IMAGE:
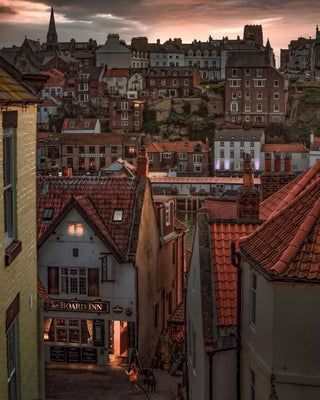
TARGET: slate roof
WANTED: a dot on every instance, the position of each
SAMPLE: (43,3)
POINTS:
(248,59)
(285,195)
(225,274)
(94,72)
(98,197)
(238,134)
(12,89)
(287,245)
(183,146)
(79,123)
(284,148)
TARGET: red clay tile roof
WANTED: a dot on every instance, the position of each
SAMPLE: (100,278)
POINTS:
(287,245)
(99,197)
(79,123)
(183,146)
(284,148)
(117,73)
(224,180)
(221,209)
(281,198)
(225,274)
(42,293)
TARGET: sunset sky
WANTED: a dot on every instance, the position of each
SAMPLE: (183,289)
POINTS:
(282,20)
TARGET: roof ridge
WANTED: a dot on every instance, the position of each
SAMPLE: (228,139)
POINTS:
(292,249)
(280,211)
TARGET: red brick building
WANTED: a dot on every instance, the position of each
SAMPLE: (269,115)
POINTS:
(89,86)
(173,82)
(125,115)
(87,153)
(185,157)
(255,92)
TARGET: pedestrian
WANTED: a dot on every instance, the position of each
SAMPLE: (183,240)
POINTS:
(133,378)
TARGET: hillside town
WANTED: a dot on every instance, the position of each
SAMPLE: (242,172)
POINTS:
(160,218)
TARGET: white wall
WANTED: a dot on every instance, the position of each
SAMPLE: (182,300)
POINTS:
(120,292)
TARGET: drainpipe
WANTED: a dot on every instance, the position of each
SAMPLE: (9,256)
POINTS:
(235,258)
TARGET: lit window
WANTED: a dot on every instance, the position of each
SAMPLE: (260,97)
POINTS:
(117,215)
(75,229)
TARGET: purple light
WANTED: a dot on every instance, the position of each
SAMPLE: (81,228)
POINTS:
(257,165)
(218,164)
(227,164)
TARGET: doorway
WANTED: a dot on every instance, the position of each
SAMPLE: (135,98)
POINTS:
(118,334)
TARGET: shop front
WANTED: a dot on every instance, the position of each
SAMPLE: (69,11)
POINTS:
(85,332)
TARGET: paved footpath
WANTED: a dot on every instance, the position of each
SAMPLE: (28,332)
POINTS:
(102,383)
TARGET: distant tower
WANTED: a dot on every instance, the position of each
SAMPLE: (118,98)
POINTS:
(253,32)
(270,53)
(52,37)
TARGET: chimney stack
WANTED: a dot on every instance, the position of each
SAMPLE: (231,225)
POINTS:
(287,163)
(267,162)
(248,196)
(142,160)
(277,161)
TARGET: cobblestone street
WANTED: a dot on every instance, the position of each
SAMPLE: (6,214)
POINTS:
(103,383)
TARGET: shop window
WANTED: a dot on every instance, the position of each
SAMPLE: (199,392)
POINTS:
(61,330)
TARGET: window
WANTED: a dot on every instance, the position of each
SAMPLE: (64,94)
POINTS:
(136,113)
(252,144)
(231,165)
(182,156)
(156,315)
(248,95)
(231,153)
(231,143)
(259,83)
(241,153)
(61,330)
(276,83)
(69,149)
(92,149)
(252,379)
(259,107)
(81,149)
(163,82)
(152,82)
(9,175)
(12,361)
(239,94)
(276,95)
(102,149)
(74,280)
(234,72)
(47,214)
(75,229)
(234,106)
(124,105)
(253,298)
(174,82)
(252,153)
(234,95)
(221,153)
(197,158)
(259,96)
(259,72)
(167,155)
(276,108)
(106,270)
(234,83)
(247,72)
(186,82)
(114,149)
(247,108)
(247,118)
(221,143)
(168,215)
(117,215)
(247,83)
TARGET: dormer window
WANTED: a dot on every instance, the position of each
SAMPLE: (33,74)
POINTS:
(75,229)
(117,215)
(206,53)
(86,124)
(47,214)
(190,53)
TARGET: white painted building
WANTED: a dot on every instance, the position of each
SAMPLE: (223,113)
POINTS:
(114,54)
(167,54)
(281,297)
(314,154)
(81,125)
(230,146)
(298,153)
(48,108)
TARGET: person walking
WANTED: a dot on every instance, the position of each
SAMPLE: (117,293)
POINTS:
(133,378)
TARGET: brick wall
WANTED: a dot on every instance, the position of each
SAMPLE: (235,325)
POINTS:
(21,275)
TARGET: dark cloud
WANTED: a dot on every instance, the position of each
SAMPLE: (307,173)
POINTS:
(282,19)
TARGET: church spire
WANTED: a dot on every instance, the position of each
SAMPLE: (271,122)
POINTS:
(52,37)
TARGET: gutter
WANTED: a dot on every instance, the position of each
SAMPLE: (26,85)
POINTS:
(235,259)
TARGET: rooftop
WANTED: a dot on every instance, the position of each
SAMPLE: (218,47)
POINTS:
(284,148)
(184,146)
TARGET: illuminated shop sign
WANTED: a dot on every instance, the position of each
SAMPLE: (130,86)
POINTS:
(80,306)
